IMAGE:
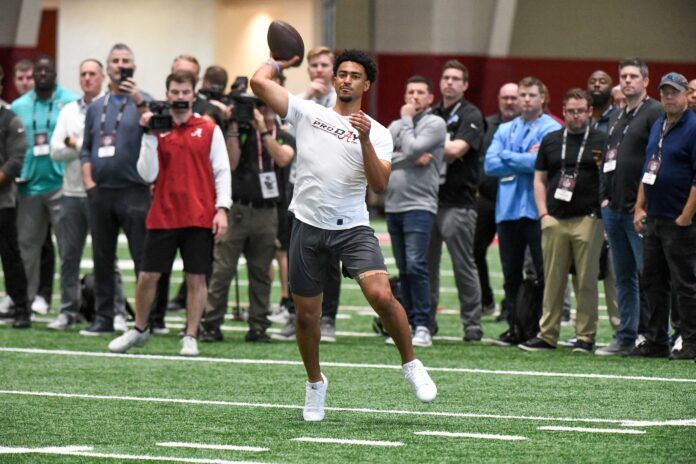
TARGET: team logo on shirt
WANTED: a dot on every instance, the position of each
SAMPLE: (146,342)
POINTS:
(197,133)
(340,134)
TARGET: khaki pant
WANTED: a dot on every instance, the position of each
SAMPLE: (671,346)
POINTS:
(251,231)
(566,241)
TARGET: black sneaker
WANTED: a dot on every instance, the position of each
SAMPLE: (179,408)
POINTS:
(687,352)
(650,350)
(210,335)
(582,347)
(255,336)
(99,327)
(536,344)
(22,319)
(473,335)
(505,339)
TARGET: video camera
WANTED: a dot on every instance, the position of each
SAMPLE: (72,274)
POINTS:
(161,120)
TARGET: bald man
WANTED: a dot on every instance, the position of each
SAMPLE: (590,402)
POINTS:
(508,109)
(599,86)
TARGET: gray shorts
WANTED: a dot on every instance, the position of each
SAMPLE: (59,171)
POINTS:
(311,249)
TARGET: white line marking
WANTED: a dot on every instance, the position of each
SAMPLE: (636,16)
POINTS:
(292,406)
(486,436)
(47,449)
(177,444)
(343,441)
(590,430)
(682,422)
(85,451)
(341,364)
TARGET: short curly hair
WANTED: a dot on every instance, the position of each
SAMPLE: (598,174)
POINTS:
(360,57)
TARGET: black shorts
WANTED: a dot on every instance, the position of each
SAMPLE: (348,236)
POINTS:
(195,244)
(311,249)
(285,219)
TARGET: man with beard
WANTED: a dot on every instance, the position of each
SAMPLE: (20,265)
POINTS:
(340,152)
(622,168)
(38,202)
(599,86)
(566,192)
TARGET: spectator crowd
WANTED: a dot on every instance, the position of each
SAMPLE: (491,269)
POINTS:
(605,192)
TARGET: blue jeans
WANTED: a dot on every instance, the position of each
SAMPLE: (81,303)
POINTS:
(410,236)
(627,253)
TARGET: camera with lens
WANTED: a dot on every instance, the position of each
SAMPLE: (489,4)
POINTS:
(161,120)
(244,105)
(216,92)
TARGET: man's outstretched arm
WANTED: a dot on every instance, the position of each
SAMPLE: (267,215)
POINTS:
(267,89)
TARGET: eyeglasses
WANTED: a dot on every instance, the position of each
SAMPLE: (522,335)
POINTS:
(573,112)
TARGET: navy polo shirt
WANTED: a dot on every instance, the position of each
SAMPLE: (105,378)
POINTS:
(677,173)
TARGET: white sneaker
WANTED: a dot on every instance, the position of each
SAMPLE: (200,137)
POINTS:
(389,341)
(640,340)
(419,380)
(422,337)
(40,305)
(128,340)
(315,394)
(6,304)
(281,317)
(62,322)
(120,323)
(189,346)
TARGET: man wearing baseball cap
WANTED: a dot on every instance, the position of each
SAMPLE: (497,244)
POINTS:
(667,199)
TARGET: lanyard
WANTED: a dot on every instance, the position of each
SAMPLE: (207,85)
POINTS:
(628,123)
(48,116)
(259,148)
(582,149)
(118,116)
(595,124)
(663,132)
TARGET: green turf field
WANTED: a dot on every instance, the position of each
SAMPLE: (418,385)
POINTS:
(65,400)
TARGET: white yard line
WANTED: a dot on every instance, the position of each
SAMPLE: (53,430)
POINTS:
(345,441)
(339,364)
(177,444)
(84,451)
(681,422)
(556,428)
(370,411)
(486,436)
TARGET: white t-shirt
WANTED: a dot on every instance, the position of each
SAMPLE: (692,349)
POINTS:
(331,184)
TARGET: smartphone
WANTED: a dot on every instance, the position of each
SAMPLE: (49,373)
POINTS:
(126,73)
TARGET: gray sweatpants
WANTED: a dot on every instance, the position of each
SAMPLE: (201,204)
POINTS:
(456,227)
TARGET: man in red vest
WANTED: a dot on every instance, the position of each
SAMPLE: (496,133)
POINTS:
(190,168)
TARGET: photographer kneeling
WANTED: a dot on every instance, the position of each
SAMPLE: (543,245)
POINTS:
(186,158)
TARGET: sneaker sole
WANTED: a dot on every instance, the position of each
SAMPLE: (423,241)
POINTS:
(497,343)
(87,333)
(422,345)
(328,339)
(282,338)
(532,349)
(581,350)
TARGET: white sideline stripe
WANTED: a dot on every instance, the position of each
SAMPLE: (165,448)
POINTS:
(339,364)
(486,436)
(344,441)
(298,407)
(682,422)
(177,444)
(556,428)
(47,449)
(85,452)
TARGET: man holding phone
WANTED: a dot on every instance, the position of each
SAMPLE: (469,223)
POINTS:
(118,197)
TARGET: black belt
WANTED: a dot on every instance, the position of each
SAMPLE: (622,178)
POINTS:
(260,204)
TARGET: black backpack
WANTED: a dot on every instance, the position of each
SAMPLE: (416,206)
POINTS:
(527,311)
(87,302)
